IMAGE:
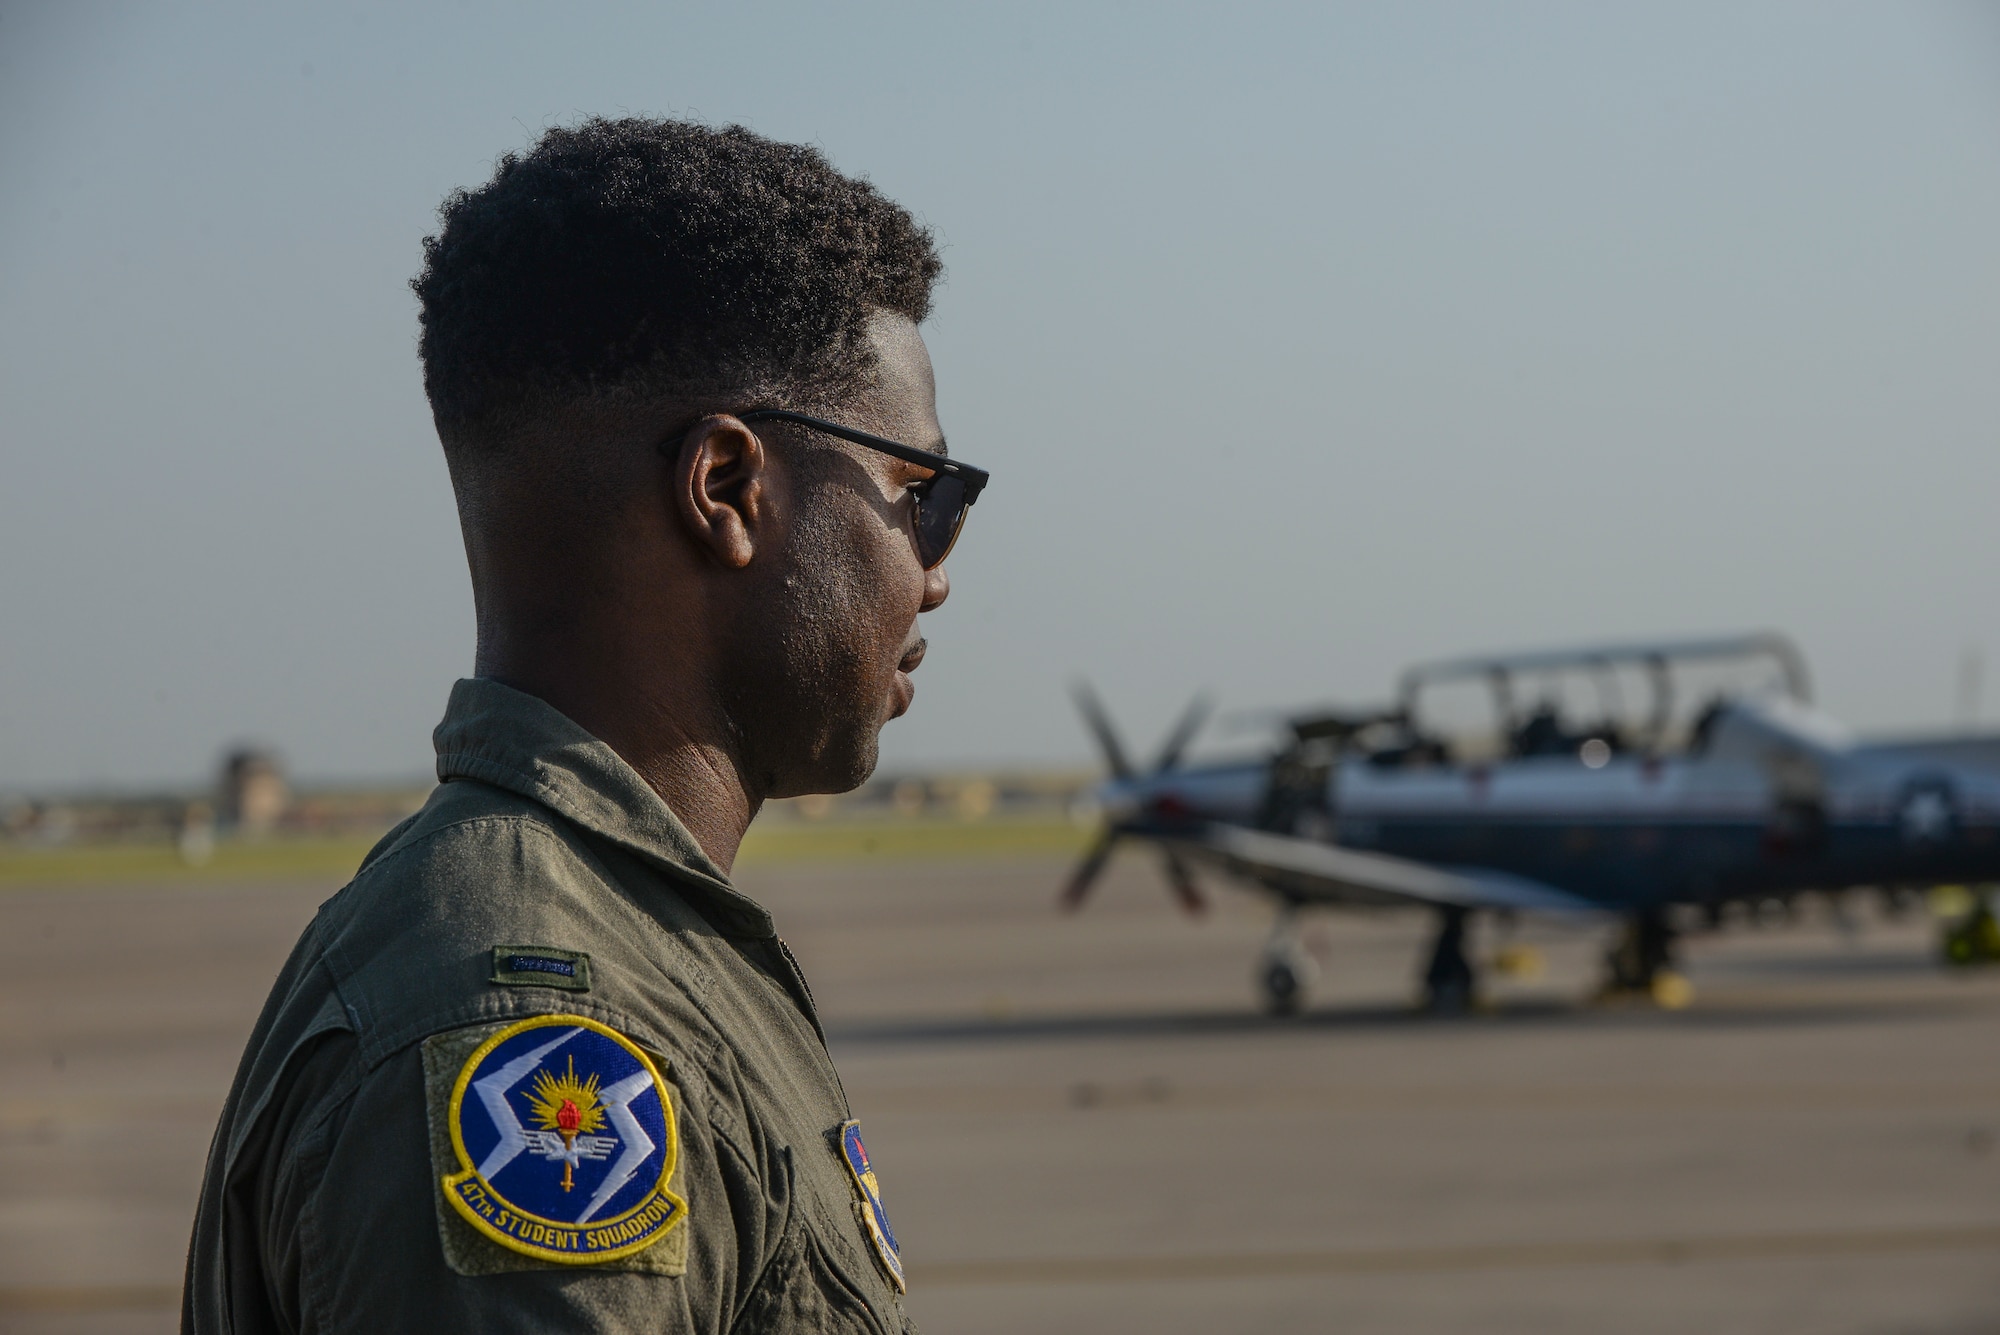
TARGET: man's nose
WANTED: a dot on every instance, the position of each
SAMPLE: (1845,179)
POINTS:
(937,588)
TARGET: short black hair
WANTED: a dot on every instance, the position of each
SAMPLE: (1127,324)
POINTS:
(661,255)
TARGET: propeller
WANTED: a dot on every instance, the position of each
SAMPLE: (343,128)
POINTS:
(1099,723)
(1177,741)
(1180,879)
(1086,872)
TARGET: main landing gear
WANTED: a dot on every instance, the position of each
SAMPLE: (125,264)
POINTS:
(1287,969)
(1641,964)
(1450,986)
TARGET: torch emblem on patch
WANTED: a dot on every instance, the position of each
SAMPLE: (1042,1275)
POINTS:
(565,1109)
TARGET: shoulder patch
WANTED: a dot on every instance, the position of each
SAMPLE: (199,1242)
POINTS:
(874,1219)
(541,966)
(563,1134)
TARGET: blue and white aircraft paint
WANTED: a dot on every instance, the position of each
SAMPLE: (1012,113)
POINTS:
(1742,795)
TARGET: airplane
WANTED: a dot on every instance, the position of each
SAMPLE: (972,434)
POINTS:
(1696,775)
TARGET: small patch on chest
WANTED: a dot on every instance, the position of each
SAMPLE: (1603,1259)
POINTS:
(874,1218)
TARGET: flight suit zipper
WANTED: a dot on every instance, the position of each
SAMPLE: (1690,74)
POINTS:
(802,996)
(800,989)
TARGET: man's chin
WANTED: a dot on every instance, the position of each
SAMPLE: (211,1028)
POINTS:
(839,768)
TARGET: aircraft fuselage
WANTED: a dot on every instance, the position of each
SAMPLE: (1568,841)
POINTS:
(1632,832)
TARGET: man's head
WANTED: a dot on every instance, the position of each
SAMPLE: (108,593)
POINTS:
(595,318)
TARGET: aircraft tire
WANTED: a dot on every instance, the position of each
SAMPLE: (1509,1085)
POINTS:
(1284,990)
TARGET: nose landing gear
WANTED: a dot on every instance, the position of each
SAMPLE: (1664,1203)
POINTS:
(1287,969)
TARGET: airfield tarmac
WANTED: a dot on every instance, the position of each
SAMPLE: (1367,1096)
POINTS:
(1084,1125)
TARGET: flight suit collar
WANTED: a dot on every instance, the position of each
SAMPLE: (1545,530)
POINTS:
(513,740)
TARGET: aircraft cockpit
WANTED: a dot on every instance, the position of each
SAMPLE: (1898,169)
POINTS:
(1546,731)
(1588,705)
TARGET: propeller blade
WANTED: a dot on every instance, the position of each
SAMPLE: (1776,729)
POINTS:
(1100,727)
(1177,741)
(1086,873)
(1182,880)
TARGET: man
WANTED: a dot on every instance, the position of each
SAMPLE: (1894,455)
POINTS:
(539,1067)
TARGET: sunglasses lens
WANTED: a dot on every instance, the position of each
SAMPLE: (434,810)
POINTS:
(940,514)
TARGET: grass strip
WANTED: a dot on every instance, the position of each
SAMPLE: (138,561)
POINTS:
(334,860)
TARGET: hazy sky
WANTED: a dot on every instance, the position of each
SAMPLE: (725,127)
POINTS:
(1302,341)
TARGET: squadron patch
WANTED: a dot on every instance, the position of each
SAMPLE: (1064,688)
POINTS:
(874,1219)
(565,1140)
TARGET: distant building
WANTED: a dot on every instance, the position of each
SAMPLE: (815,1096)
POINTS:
(254,794)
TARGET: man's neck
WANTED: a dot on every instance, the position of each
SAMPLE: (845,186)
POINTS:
(677,741)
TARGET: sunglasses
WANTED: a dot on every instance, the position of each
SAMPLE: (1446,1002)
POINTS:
(942,498)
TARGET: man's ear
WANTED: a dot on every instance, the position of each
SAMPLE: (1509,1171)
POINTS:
(722,489)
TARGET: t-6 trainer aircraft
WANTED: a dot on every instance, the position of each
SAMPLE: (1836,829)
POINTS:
(1623,780)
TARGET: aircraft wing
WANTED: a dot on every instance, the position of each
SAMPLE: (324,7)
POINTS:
(1327,873)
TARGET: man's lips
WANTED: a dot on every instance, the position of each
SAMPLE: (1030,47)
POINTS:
(904,689)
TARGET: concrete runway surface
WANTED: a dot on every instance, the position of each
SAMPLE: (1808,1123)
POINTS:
(1083,1125)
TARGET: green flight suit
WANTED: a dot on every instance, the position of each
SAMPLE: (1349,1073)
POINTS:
(322,1208)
